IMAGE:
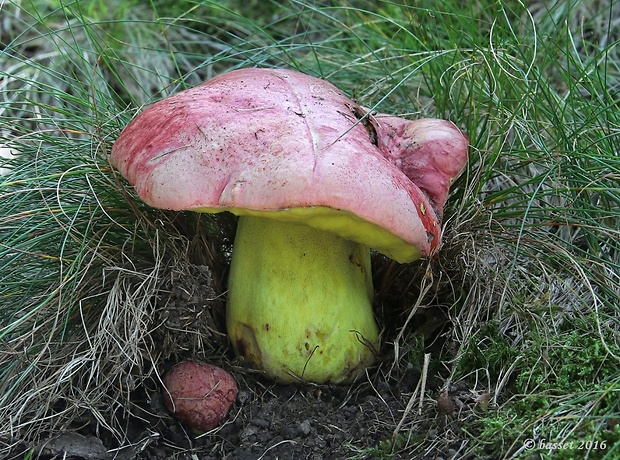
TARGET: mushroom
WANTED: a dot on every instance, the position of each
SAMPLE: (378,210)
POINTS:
(199,394)
(316,181)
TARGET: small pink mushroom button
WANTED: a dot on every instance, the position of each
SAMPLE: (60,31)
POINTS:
(199,395)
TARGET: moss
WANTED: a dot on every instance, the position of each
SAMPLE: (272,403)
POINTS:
(565,391)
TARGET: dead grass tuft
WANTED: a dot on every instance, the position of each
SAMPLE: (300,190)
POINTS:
(134,319)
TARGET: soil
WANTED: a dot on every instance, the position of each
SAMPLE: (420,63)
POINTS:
(270,421)
(273,422)
(296,422)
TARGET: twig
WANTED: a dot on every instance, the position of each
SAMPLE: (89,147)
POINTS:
(420,386)
(427,359)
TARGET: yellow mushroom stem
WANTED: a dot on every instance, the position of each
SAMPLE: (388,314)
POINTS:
(300,302)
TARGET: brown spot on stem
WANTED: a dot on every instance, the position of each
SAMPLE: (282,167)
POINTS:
(245,343)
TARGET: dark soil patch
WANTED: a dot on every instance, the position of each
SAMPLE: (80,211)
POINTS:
(293,422)
(268,422)
(271,421)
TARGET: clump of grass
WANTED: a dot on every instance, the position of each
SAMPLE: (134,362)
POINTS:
(540,233)
(531,246)
(530,250)
(84,264)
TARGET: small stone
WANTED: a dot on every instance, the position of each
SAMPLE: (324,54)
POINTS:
(261,423)
(444,403)
(243,397)
(247,432)
(305,427)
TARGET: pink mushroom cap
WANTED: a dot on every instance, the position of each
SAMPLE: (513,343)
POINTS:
(199,394)
(285,145)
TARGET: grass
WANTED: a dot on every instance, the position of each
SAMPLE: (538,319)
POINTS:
(529,274)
